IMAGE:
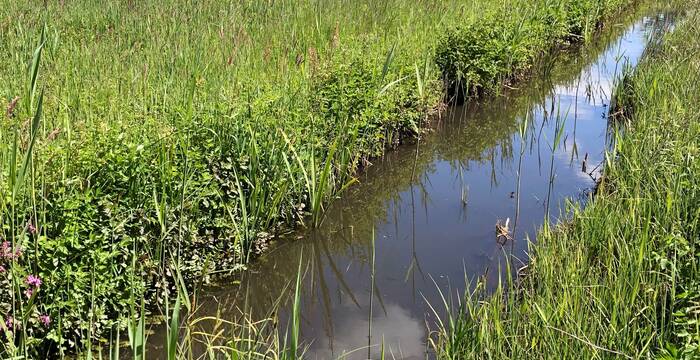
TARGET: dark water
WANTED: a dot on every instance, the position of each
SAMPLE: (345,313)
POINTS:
(432,208)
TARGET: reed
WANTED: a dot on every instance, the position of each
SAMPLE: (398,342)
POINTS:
(620,278)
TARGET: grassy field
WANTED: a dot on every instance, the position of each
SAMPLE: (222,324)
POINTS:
(621,279)
(146,142)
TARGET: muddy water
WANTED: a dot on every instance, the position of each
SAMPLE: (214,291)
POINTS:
(432,208)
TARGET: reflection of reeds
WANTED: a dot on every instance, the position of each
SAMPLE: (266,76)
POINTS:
(522,133)
(553,147)
(371,299)
(190,336)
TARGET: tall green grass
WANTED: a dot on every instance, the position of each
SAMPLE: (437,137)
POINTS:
(154,144)
(620,278)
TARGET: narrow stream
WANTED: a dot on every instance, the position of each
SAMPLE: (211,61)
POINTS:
(433,208)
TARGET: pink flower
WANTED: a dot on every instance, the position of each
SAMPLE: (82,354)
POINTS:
(6,251)
(9,323)
(2,269)
(45,319)
(33,281)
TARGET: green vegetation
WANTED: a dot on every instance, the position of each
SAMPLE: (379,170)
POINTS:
(146,145)
(482,54)
(621,278)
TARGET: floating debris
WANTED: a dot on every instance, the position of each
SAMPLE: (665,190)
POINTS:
(503,231)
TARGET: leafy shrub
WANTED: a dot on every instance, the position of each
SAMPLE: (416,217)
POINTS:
(485,52)
(379,108)
(475,55)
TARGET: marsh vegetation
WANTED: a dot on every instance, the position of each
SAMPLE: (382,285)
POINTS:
(150,148)
(620,279)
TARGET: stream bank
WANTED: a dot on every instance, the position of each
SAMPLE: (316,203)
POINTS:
(428,213)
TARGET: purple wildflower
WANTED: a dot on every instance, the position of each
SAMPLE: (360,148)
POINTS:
(45,320)
(2,269)
(9,323)
(6,251)
(33,281)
